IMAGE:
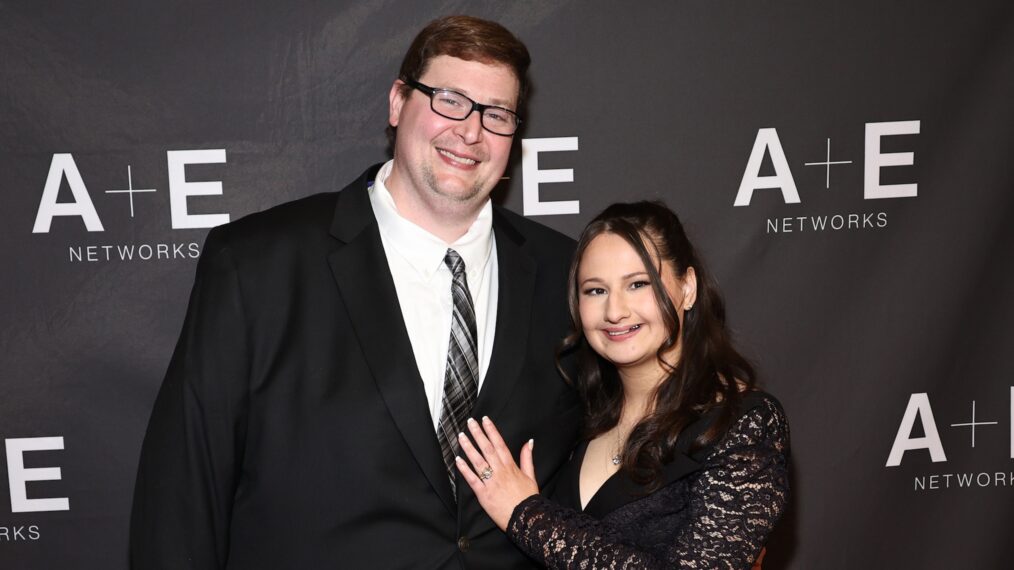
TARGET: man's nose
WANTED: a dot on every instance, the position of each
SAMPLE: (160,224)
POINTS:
(470,129)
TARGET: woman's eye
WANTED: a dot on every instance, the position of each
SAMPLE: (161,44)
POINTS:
(639,284)
(594,291)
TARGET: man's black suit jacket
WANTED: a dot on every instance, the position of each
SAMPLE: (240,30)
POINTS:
(292,430)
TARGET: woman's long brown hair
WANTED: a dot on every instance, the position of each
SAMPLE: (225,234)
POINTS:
(709,374)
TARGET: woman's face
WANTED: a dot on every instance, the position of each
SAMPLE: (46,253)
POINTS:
(620,317)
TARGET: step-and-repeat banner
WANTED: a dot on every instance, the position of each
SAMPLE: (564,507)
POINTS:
(847,168)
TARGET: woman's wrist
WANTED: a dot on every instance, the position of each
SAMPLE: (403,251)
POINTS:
(516,522)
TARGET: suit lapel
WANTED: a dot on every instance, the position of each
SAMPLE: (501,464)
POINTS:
(516,284)
(515,289)
(360,269)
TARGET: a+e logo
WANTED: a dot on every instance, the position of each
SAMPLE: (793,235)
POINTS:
(767,142)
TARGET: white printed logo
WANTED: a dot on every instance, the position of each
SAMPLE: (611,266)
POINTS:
(63,167)
(768,143)
(919,416)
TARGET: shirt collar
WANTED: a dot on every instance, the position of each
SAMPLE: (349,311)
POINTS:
(422,250)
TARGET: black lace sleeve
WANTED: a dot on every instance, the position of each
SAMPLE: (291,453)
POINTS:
(564,538)
(734,502)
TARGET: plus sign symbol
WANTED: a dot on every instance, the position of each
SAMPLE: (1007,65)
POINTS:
(130,190)
(827,165)
(974,424)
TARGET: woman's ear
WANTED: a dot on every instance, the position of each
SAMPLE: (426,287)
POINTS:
(689,288)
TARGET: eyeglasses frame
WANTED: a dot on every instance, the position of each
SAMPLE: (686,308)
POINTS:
(431,91)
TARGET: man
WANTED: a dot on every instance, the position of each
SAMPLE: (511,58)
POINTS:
(335,345)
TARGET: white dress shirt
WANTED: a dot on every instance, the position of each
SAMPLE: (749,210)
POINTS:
(423,283)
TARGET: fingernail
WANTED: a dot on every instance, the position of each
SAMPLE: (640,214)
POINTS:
(471,421)
(458,459)
(531,443)
(485,419)
(461,435)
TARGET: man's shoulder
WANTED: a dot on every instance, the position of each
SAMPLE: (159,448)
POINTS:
(535,235)
(293,221)
(301,223)
(309,211)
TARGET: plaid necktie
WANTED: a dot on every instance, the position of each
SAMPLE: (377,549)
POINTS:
(461,377)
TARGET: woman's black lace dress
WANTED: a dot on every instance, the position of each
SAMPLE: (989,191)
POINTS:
(717,506)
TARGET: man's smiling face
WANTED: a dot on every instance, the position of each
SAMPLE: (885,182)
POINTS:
(440,163)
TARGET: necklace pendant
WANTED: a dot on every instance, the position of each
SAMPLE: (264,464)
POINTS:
(616,459)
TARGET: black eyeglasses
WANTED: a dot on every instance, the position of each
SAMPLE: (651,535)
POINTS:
(457,107)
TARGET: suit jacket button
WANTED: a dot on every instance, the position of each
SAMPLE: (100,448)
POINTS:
(463,544)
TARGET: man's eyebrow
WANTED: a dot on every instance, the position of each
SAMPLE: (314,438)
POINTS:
(496,101)
(502,103)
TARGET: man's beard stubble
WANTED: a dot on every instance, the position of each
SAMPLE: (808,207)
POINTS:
(431,182)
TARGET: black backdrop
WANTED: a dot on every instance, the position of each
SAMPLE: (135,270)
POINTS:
(862,310)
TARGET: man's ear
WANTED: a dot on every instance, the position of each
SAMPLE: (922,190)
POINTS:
(395,101)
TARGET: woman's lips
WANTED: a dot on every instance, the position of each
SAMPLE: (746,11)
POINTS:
(621,333)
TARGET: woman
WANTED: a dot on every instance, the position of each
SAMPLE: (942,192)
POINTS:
(684,464)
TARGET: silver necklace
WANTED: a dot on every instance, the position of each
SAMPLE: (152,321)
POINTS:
(619,445)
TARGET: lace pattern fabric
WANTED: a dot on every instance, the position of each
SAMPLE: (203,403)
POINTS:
(716,517)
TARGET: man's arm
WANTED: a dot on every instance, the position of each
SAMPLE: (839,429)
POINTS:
(192,451)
